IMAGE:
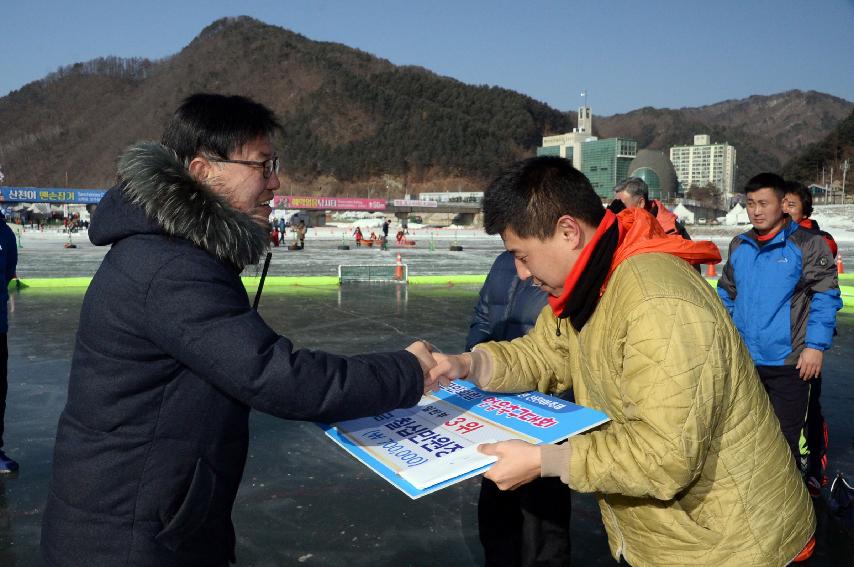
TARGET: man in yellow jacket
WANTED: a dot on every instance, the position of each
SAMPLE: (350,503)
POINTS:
(692,468)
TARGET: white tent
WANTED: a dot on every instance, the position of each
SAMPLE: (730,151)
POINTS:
(736,215)
(684,215)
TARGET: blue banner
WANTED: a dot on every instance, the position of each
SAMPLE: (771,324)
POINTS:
(51,195)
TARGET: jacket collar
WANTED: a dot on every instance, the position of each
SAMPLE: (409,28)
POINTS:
(155,180)
(784,233)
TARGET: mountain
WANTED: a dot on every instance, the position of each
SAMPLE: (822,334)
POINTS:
(832,151)
(767,131)
(353,123)
(348,116)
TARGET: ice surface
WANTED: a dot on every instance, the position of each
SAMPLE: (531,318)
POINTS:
(301,496)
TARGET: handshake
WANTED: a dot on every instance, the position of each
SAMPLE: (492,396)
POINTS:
(519,462)
(439,369)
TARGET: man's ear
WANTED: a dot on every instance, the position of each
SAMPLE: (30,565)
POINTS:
(569,230)
(200,169)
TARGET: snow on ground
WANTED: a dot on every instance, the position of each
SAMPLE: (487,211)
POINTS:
(838,220)
(42,254)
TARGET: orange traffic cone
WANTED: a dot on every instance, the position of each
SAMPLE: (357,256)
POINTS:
(398,269)
(840,267)
(711,271)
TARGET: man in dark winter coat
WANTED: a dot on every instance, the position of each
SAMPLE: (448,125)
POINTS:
(170,357)
(507,307)
(529,525)
(8,265)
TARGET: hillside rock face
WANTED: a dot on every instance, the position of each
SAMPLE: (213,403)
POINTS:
(767,131)
(817,162)
(352,122)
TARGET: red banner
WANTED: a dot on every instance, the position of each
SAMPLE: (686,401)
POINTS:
(328,203)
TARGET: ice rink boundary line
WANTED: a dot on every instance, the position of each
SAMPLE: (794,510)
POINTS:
(251,282)
(308,282)
(845,280)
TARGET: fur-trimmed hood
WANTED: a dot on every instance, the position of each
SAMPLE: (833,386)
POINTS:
(158,195)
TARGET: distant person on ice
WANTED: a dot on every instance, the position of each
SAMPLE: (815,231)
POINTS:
(301,230)
(170,357)
(692,468)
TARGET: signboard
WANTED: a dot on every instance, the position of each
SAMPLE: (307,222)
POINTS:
(434,444)
(414,203)
(453,197)
(328,203)
(51,195)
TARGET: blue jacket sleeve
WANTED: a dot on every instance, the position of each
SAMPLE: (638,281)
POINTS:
(726,284)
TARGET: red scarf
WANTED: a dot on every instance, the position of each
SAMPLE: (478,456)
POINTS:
(639,233)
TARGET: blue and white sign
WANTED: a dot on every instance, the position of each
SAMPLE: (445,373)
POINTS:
(48,195)
(434,444)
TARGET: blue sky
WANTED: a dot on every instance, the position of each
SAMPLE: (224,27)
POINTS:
(626,55)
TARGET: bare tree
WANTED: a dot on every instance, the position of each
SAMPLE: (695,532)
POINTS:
(708,195)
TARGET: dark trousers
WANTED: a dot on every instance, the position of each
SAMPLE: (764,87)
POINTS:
(816,431)
(4,381)
(789,395)
(526,527)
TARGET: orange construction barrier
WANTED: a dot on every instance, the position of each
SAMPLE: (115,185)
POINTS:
(711,271)
(398,269)
(840,267)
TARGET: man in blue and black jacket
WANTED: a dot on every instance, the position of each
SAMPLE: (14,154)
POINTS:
(781,289)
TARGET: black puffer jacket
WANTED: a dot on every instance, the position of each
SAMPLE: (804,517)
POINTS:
(168,361)
(508,307)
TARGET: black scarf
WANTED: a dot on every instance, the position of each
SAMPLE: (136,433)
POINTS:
(585,296)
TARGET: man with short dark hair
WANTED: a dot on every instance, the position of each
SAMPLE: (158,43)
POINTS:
(691,469)
(170,356)
(781,289)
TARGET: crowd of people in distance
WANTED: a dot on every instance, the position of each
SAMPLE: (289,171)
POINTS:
(278,229)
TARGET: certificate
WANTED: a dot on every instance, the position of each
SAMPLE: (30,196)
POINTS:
(434,444)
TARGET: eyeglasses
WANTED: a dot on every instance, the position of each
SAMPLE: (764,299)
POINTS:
(268,166)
